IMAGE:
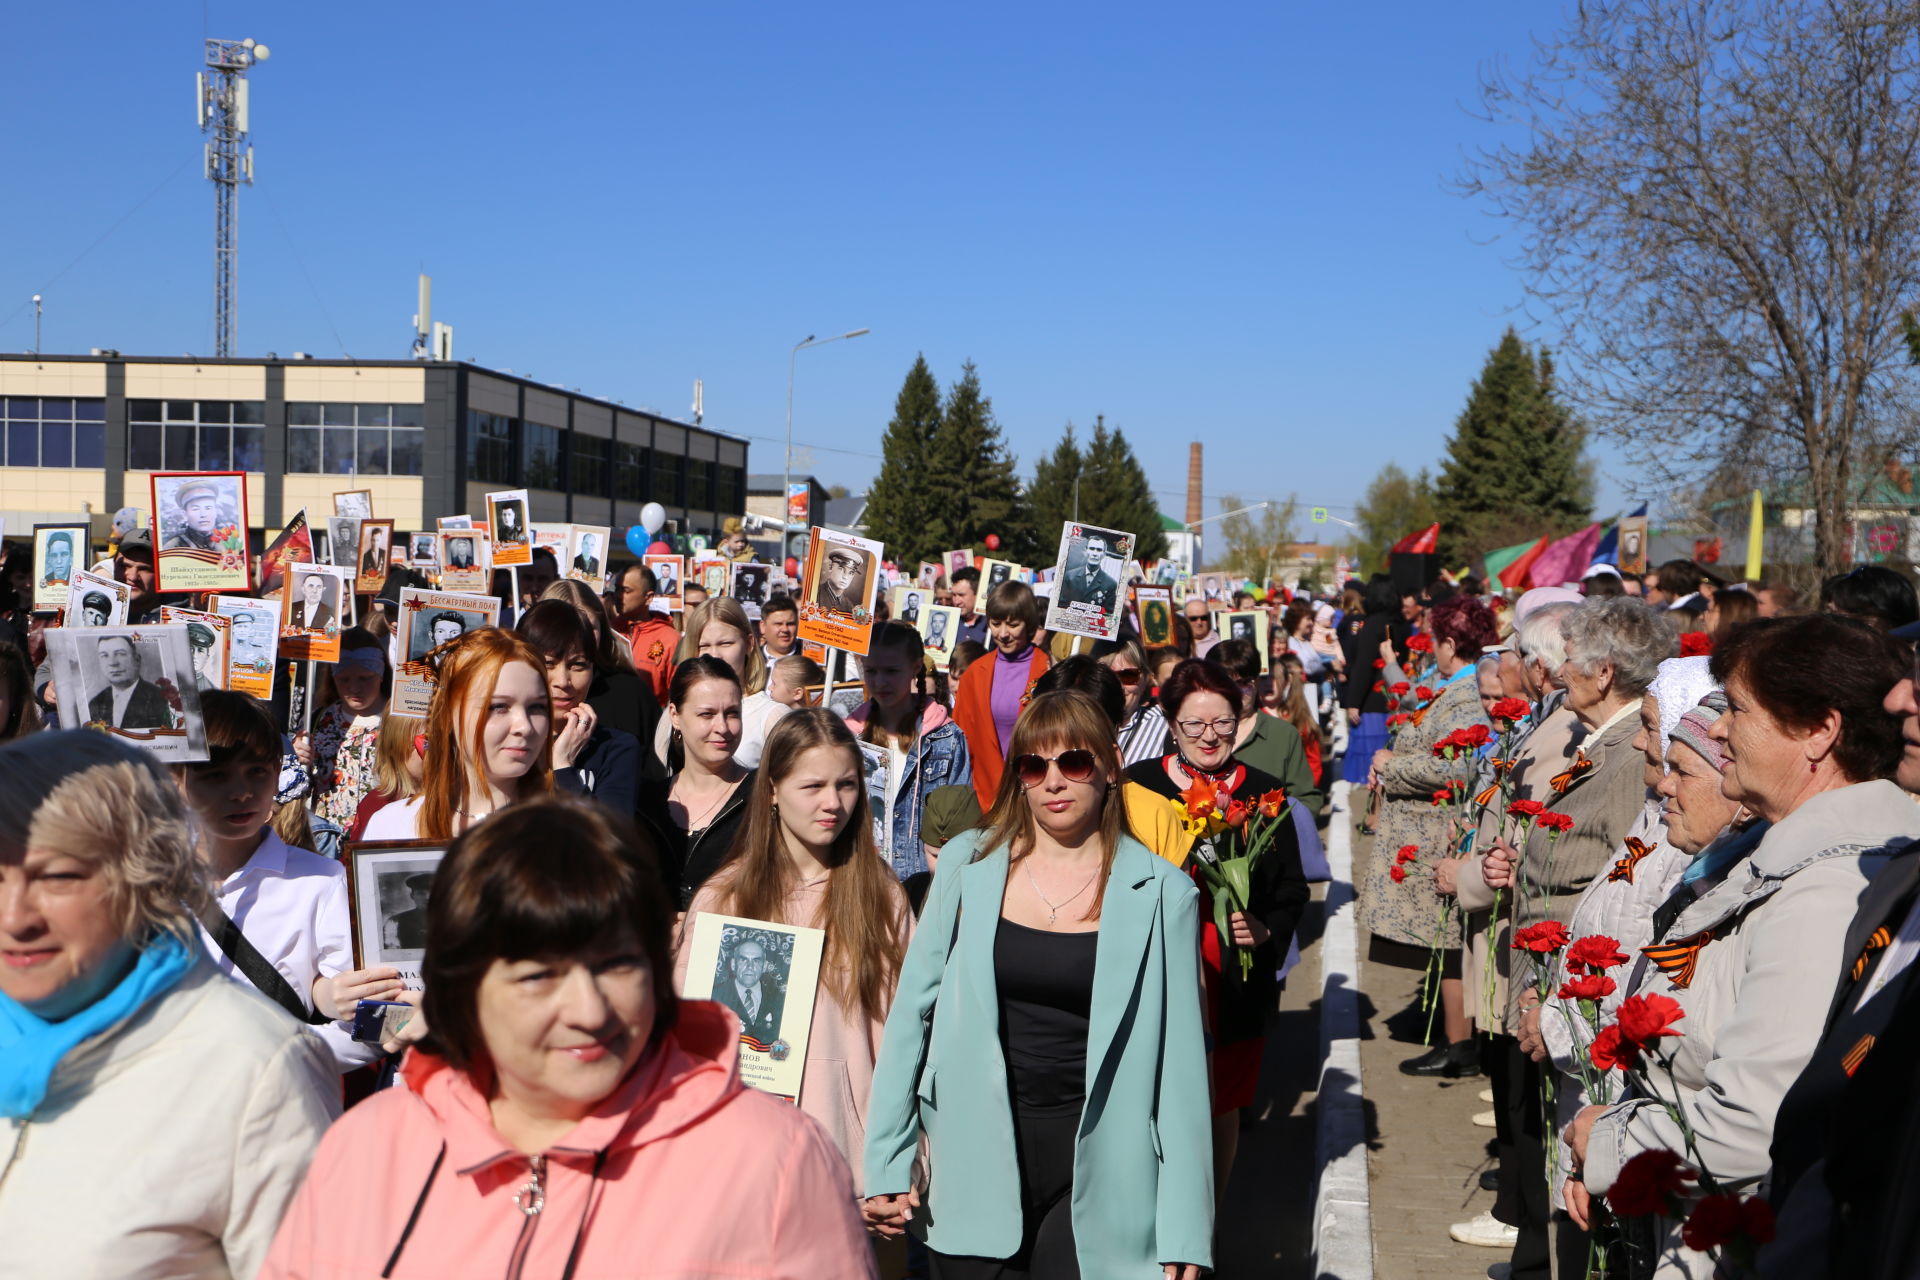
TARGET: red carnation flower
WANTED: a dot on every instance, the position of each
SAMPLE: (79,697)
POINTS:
(1397,873)
(1695,644)
(1719,1220)
(1544,938)
(1420,644)
(1554,822)
(1644,1019)
(1400,688)
(1610,1049)
(1442,796)
(1646,1183)
(1511,709)
(1408,853)
(1595,953)
(1394,722)
(1525,810)
(1476,735)
(1423,693)
(1596,986)
(1379,664)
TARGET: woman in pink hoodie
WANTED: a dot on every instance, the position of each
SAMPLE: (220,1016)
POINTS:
(567,1116)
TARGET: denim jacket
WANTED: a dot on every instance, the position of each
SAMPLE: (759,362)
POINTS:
(937,758)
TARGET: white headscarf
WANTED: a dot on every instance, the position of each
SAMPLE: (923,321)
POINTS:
(1678,686)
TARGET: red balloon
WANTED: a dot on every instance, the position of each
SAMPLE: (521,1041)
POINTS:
(993,542)
(793,567)
(659,549)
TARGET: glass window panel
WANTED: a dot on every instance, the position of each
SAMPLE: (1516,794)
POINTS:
(56,444)
(21,406)
(666,478)
(252,412)
(143,411)
(176,449)
(23,444)
(408,448)
(216,411)
(375,415)
(373,452)
(303,413)
(89,410)
(216,448)
(90,444)
(336,415)
(143,447)
(249,448)
(408,415)
(336,451)
(303,450)
(58,410)
(178,410)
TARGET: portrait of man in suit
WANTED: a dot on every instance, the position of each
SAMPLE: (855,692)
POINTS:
(375,559)
(509,525)
(587,561)
(311,612)
(128,701)
(744,987)
(910,609)
(459,553)
(58,562)
(407,930)
(843,580)
(1086,580)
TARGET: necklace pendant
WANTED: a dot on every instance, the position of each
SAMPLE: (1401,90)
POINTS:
(1051,916)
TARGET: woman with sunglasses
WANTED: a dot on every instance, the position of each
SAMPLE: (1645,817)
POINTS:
(1204,704)
(925,749)
(1143,729)
(1046,1037)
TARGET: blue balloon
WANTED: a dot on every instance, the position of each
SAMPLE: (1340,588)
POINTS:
(638,541)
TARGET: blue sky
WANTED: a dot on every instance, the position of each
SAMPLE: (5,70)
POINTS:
(1226,222)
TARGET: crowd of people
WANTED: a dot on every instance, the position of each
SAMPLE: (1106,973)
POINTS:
(1039,1020)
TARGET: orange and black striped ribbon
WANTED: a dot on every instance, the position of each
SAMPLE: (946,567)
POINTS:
(1876,942)
(1857,1054)
(1679,958)
(1580,767)
(1623,869)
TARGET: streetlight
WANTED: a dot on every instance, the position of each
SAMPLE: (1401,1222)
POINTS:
(786,475)
(1076,488)
(1191,525)
(36,324)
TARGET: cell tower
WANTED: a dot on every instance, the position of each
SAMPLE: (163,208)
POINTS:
(223,113)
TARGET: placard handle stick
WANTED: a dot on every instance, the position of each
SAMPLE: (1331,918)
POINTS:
(833,660)
(306,702)
(513,606)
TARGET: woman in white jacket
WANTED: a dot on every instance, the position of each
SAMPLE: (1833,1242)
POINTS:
(155,1116)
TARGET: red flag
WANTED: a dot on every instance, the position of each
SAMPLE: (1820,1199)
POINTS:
(1422,542)
(1516,574)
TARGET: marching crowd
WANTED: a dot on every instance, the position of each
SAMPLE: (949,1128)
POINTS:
(1059,883)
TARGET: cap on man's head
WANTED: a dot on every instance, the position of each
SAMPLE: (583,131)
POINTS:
(138,546)
(97,600)
(194,490)
(200,635)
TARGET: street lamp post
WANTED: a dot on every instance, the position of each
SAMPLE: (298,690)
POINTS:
(1191,525)
(1076,488)
(786,475)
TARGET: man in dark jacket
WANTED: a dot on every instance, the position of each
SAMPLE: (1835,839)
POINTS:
(128,702)
(757,1002)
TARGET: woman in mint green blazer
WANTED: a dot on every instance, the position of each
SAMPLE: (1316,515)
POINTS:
(1052,991)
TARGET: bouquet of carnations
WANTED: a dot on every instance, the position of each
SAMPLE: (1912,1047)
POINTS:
(1231,836)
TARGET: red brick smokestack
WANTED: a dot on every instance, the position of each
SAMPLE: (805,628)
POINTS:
(1195,510)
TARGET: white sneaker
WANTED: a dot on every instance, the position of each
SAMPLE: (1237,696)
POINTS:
(1485,1119)
(1485,1230)
(1486,1095)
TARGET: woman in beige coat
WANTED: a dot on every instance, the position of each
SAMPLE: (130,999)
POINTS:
(1754,949)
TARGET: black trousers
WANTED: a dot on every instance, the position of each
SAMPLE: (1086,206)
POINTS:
(1497,1063)
(1523,1200)
(1044,1146)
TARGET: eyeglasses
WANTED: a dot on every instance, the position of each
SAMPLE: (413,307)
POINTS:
(1077,765)
(1197,728)
(1126,675)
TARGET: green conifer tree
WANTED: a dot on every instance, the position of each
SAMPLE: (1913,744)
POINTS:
(1115,494)
(975,490)
(1050,496)
(897,503)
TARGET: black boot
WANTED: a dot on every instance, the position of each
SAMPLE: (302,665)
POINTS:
(1449,1061)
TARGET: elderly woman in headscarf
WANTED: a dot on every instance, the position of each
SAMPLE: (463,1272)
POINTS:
(1751,947)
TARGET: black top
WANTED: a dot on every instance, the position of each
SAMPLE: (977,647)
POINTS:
(1361,645)
(623,701)
(1045,982)
(687,858)
(607,768)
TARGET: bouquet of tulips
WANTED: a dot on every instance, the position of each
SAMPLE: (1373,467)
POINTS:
(1231,836)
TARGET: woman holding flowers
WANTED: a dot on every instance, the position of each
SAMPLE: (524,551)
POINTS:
(1423,780)
(1748,955)
(1203,704)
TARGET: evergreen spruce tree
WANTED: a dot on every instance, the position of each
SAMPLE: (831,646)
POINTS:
(1114,493)
(1050,496)
(897,503)
(1514,466)
(975,490)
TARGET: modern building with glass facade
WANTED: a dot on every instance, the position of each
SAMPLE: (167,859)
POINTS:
(83,433)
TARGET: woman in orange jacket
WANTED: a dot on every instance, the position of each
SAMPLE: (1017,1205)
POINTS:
(994,689)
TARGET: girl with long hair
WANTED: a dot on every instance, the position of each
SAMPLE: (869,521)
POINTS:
(488,740)
(590,757)
(807,858)
(398,765)
(620,697)
(696,813)
(339,753)
(925,749)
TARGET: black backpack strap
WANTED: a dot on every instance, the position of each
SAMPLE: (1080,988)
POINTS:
(257,968)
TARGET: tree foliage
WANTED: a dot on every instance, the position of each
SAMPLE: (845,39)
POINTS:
(1716,208)
(973,488)
(1514,467)
(1395,505)
(896,504)
(1050,496)
(1113,490)
(1254,544)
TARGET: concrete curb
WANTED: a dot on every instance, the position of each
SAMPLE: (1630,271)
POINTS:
(1342,1212)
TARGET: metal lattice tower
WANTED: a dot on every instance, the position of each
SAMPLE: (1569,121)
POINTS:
(223,113)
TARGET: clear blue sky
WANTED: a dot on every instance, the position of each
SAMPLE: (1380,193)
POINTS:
(1226,222)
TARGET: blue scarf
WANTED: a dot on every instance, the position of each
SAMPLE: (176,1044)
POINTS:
(1719,857)
(31,1047)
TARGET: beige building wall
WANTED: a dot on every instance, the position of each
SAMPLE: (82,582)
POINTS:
(60,378)
(366,386)
(43,495)
(396,498)
(196,382)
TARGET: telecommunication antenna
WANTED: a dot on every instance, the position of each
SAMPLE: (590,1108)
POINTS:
(222,104)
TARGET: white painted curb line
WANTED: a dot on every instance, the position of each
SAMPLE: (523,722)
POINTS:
(1342,1215)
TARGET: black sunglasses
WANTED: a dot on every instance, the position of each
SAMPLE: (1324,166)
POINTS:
(1077,765)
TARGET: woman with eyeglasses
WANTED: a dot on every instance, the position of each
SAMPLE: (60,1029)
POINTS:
(1265,742)
(1204,704)
(1143,730)
(1046,1039)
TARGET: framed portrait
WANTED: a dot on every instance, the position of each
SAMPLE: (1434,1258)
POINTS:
(420,549)
(837,589)
(768,974)
(992,574)
(253,643)
(94,601)
(1087,575)
(1153,615)
(667,574)
(715,576)
(555,538)
(208,641)
(909,602)
(957,560)
(317,607)
(585,554)
(1249,625)
(135,683)
(429,619)
(845,698)
(388,886)
(1633,545)
(59,551)
(376,552)
(940,631)
(465,559)
(357,503)
(343,540)
(294,545)
(453,522)
(929,575)
(200,531)
(751,585)
(512,532)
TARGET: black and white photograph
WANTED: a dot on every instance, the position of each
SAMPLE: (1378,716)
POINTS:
(1249,625)
(907,605)
(318,606)
(389,886)
(768,974)
(750,978)
(133,682)
(842,581)
(752,586)
(343,541)
(208,639)
(666,579)
(940,631)
(420,548)
(94,601)
(992,574)
(376,550)
(253,640)
(846,698)
(357,503)
(453,522)
(842,575)
(507,519)
(1086,599)
(463,559)
(586,554)
(194,511)
(427,620)
(59,550)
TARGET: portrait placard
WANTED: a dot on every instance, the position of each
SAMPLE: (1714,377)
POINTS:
(453,522)
(420,549)
(343,540)
(555,538)
(357,503)
(59,551)
(836,596)
(713,575)
(957,560)
(200,531)
(1086,598)
(908,603)
(1249,625)
(512,534)
(992,574)
(388,886)
(1633,545)
(253,643)
(293,546)
(585,554)
(135,683)
(751,585)
(317,607)
(929,575)
(429,619)
(768,975)
(465,564)
(1213,586)
(375,552)
(667,572)
(209,638)
(94,601)
(1153,615)
(940,631)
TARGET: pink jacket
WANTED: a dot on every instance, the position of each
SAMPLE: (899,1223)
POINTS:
(684,1172)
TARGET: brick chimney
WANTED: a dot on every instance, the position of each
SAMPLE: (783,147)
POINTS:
(1195,510)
